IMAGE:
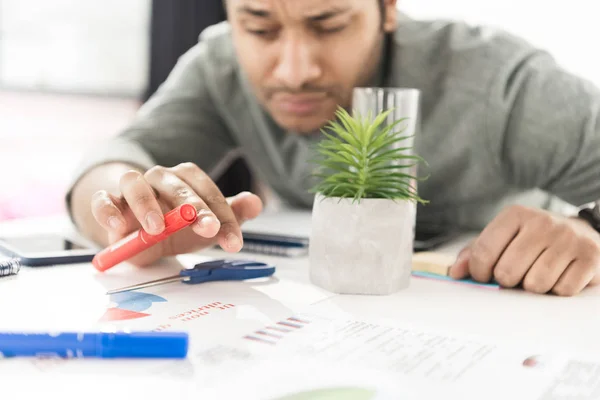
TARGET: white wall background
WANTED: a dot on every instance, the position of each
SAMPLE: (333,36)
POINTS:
(102,46)
(570,30)
(98,46)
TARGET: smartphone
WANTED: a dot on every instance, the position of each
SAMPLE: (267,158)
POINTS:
(46,249)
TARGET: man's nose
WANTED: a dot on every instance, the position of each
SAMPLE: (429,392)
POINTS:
(297,64)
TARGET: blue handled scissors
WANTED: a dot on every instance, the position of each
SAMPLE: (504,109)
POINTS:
(215,270)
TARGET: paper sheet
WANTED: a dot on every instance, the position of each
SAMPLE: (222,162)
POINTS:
(258,340)
(75,300)
(299,356)
(430,363)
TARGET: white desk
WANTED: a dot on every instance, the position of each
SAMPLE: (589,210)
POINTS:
(73,297)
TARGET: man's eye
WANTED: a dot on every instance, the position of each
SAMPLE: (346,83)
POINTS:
(329,30)
(262,32)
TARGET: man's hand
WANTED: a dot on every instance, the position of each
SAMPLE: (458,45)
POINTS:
(536,249)
(146,197)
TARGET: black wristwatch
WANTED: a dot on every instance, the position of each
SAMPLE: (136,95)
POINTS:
(592,215)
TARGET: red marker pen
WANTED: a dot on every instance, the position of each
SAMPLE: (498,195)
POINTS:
(129,246)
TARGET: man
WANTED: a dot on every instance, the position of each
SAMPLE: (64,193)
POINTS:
(511,139)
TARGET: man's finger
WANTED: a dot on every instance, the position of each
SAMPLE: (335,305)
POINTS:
(176,192)
(491,243)
(245,206)
(230,236)
(575,278)
(107,213)
(460,268)
(558,253)
(519,256)
(547,270)
(142,201)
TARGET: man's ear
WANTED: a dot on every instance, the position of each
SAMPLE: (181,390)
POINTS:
(391,18)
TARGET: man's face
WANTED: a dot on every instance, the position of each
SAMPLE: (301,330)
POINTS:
(304,57)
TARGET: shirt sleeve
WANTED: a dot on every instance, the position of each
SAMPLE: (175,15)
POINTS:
(179,123)
(551,128)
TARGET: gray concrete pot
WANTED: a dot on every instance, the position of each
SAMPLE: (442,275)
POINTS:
(361,248)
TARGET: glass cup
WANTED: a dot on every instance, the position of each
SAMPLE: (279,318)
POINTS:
(404,103)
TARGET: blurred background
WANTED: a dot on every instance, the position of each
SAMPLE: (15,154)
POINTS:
(73,72)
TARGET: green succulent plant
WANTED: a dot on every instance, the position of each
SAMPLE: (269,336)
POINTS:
(360,158)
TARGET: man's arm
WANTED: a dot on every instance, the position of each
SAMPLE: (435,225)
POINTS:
(551,141)
(178,124)
(552,135)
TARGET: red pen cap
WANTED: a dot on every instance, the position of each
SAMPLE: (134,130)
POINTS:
(175,220)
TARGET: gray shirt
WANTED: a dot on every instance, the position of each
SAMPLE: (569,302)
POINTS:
(502,123)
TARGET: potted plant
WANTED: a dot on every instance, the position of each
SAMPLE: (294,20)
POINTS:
(364,211)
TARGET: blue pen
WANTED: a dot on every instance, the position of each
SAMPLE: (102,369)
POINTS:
(95,345)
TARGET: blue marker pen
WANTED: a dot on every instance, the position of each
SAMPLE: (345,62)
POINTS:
(96,345)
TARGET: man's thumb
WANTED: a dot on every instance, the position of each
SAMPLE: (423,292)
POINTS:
(460,268)
(245,206)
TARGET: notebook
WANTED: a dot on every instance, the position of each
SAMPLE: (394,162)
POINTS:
(286,233)
(282,233)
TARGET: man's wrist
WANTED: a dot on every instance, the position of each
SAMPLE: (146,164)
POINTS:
(597,210)
(591,214)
